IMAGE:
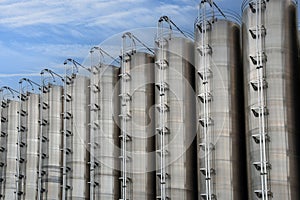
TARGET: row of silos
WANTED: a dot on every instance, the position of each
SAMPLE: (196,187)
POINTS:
(187,90)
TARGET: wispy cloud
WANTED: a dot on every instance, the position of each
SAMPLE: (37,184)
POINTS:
(37,34)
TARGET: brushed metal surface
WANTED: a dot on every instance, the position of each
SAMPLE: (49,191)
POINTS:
(141,126)
(52,146)
(226,111)
(32,147)
(281,51)
(104,92)
(12,135)
(180,143)
(78,141)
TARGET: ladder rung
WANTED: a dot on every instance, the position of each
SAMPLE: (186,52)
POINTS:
(204,50)
(262,57)
(258,165)
(162,63)
(166,175)
(125,96)
(126,76)
(126,116)
(253,8)
(160,152)
(258,111)
(211,146)
(162,41)
(253,32)
(206,121)
(204,196)
(259,193)
(204,73)
(128,137)
(165,129)
(162,107)
(162,85)
(256,138)
(128,179)
(203,171)
(254,84)
(207,26)
(205,97)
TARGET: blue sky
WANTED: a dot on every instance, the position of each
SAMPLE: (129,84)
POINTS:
(37,34)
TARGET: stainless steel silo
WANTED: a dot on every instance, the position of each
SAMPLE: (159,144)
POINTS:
(141,126)
(104,130)
(52,141)
(77,158)
(220,111)
(3,142)
(270,62)
(175,119)
(32,147)
(11,157)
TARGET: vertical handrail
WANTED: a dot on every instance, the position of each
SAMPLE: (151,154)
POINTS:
(123,121)
(261,100)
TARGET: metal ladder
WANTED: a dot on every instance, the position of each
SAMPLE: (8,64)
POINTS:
(125,111)
(162,130)
(67,119)
(206,145)
(260,111)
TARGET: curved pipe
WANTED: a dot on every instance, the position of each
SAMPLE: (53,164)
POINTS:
(76,64)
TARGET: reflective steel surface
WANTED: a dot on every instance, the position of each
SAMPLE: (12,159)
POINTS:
(52,142)
(105,131)
(141,126)
(180,141)
(280,48)
(225,100)
(78,140)
(12,135)
(32,150)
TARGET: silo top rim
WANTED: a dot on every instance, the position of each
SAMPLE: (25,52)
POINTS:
(230,15)
(246,3)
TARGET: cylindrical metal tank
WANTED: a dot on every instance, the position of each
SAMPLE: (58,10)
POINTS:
(11,158)
(4,130)
(52,141)
(174,72)
(219,67)
(78,138)
(3,142)
(105,132)
(278,30)
(32,147)
(141,126)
